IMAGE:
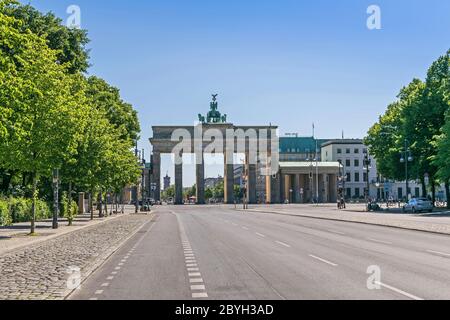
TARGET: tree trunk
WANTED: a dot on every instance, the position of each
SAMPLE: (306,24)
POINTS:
(100,204)
(33,207)
(447,193)
(91,204)
(424,188)
(69,205)
(433,191)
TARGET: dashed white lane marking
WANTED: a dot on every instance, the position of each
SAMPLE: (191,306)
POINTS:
(99,292)
(234,224)
(198,287)
(323,260)
(260,234)
(283,244)
(110,278)
(106,284)
(245,228)
(195,274)
(379,241)
(406,294)
(439,253)
(93,299)
(114,272)
(117,268)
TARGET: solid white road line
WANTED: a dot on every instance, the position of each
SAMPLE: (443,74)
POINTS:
(283,244)
(406,294)
(440,253)
(198,287)
(260,234)
(379,241)
(323,260)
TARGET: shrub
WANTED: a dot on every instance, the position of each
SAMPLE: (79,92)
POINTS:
(65,208)
(5,216)
(20,209)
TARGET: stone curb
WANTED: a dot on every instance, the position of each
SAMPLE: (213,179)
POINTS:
(348,220)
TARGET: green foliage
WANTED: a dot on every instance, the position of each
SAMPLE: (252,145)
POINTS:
(169,193)
(419,116)
(68,43)
(20,209)
(68,211)
(5,216)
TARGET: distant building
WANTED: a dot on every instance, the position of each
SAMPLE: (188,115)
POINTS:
(166,182)
(213,182)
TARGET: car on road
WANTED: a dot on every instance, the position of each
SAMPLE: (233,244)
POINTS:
(418,205)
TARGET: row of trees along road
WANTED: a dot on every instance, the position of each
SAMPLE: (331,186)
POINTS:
(421,117)
(52,116)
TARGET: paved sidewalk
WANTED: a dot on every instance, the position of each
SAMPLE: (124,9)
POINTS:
(436,222)
(51,269)
(17,236)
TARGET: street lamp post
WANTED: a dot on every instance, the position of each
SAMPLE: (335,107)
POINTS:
(406,157)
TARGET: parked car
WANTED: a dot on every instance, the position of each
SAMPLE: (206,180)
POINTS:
(418,205)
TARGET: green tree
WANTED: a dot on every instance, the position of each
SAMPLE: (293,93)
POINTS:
(69,43)
(39,104)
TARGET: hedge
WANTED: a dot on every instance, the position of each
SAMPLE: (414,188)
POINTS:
(13,210)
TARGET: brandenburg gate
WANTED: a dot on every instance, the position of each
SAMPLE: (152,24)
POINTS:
(214,135)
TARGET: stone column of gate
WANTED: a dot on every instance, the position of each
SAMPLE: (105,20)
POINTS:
(251,184)
(179,182)
(325,188)
(156,166)
(296,178)
(200,178)
(228,180)
(282,181)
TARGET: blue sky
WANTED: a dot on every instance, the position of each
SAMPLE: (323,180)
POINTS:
(288,62)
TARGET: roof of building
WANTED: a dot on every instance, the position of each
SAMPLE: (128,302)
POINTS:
(343,141)
(300,144)
(308,164)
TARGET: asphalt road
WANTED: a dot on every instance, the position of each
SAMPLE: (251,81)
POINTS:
(214,252)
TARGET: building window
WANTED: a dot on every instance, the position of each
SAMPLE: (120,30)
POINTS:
(356,176)
(347,163)
(365,176)
(349,192)
(347,151)
(356,150)
(365,150)
(357,163)
(357,192)
(339,151)
(349,177)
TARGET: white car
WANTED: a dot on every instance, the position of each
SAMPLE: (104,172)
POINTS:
(418,205)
